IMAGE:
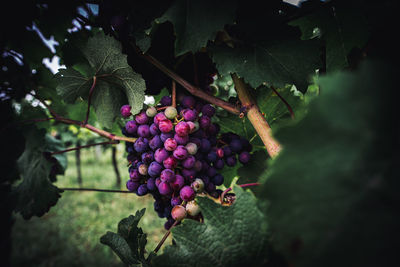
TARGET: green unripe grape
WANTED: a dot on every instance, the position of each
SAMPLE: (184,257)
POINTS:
(192,208)
(151,112)
(198,185)
(170,112)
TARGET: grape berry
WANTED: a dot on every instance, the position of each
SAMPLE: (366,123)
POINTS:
(177,154)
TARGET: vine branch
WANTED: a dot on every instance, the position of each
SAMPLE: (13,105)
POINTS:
(85,146)
(94,189)
(90,99)
(165,237)
(189,87)
(256,118)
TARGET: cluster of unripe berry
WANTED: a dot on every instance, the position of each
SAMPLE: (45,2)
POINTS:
(177,154)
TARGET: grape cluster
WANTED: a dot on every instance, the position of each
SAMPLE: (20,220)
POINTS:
(179,153)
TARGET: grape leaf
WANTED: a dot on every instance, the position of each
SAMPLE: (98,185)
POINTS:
(130,241)
(333,189)
(115,80)
(278,61)
(342,27)
(192,29)
(36,194)
(230,236)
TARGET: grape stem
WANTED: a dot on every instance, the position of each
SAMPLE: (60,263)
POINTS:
(229,189)
(164,237)
(255,117)
(85,146)
(189,87)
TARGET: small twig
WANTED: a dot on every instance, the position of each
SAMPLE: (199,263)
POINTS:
(95,189)
(174,93)
(165,237)
(284,101)
(85,146)
(89,99)
(229,189)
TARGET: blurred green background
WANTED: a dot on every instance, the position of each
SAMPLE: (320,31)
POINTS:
(69,234)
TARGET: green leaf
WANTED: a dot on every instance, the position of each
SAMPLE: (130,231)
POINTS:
(130,241)
(36,194)
(278,61)
(115,80)
(230,236)
(192,28)
(342,27)
(333,189)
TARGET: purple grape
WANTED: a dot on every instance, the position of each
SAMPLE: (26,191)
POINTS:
(132,185)
(204,122)
(231,161)
(188,102)
(151,184)
(210,187)
(197,166)
(155,142)
(166,101)
(219,164)
(246,146)
(189,174)
(205,145)
(141,118)
(212,156)
(167,176)
(165,136)
(154,129)
(236,145)
(212,130)
(170,144)
(193,126)
(195,140)
(182,128)
(159,117)
(143,130)
(181,140)
(180,152)
(147,157)
(170,163)
(213,140)
(218,179)
(189,114)
(158,181)
(131,127)
(244,157)
(176,201)
(187,193)
(141,144)
(160,155)
(211,171)
(178,183)
(154,169)
(164,188)
(227,151)
(208,110)
(165,126)
(142,190)
(189,162)
(158,206)
(126,111)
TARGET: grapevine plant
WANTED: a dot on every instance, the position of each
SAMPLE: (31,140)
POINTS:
(263,130)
